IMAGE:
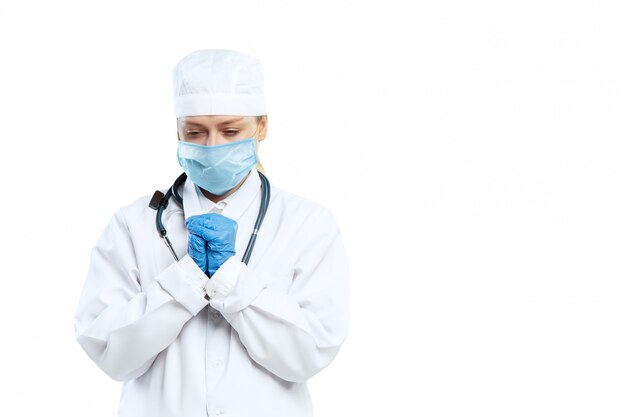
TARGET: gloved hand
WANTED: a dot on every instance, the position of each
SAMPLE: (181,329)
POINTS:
(211,240)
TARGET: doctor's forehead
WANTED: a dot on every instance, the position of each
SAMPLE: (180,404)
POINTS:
(210,120)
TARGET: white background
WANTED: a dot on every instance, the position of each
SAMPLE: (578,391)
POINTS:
(472,151)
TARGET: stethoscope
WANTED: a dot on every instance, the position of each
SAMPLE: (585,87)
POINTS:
(159,203)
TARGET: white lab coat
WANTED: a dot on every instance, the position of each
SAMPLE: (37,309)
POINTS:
(269,326)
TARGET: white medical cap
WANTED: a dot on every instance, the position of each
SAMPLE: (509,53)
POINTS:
(218,82)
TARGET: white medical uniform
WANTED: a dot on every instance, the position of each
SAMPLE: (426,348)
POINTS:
(269,326)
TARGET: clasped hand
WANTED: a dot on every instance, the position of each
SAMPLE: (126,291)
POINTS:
(211,240)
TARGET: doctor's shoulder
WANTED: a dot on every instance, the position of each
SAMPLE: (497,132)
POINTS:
(305,212)
(138,213)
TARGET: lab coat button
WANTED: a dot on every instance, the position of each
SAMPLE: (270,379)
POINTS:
(218,412)
(215,316)
(216,363)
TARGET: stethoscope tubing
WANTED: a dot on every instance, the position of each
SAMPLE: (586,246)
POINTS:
(173,191)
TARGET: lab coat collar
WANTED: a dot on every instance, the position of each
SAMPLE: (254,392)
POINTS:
(238,202)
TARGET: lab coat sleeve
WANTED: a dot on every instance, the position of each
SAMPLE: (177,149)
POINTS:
(293,333)
(122,325)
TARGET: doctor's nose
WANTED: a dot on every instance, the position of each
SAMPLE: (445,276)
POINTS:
(210,139)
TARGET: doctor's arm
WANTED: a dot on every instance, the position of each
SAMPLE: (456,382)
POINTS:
(121,325)
(294,333)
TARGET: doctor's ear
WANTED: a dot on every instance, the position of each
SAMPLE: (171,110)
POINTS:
(262,126)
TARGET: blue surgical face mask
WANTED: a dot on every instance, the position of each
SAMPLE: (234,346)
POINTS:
(218,168)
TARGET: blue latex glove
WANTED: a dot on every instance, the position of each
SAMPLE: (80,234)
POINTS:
(211,240)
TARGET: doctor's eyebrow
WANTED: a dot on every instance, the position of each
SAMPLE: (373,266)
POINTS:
(219,124)
(230,121)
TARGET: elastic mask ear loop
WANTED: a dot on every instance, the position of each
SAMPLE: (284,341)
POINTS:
(256,141)
(255,129)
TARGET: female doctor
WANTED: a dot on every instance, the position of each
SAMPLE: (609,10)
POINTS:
(192,330)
